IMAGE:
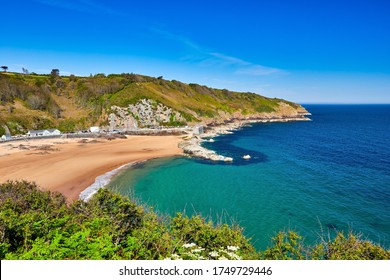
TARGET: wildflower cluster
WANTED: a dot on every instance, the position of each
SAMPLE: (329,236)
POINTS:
(191,251)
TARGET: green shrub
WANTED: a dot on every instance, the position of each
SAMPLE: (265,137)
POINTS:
(2,130)
(285,246)
(37,224)
(350,247)
(208,236)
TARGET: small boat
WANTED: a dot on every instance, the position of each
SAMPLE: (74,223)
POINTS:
(246,157)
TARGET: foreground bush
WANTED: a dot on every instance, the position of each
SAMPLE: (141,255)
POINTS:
(36,224)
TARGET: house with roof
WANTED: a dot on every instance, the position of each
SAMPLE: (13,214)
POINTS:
(43,132)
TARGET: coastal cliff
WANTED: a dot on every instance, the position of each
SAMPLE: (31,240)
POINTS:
(126,101)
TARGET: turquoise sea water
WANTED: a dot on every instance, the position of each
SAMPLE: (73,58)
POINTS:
(330,173)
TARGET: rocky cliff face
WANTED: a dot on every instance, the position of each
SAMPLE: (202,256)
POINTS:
(149,113)
(145,113)
(121,118)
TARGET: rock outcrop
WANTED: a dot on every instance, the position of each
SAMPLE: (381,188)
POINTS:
(193,148)
(122,119)
(151,113)
(144,113)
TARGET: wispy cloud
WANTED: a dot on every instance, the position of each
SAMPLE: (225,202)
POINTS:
(229,60)
(183,40)
(86,6)
(206,58)
(259,70)
(243,67)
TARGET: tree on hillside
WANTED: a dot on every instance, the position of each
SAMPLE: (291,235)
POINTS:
(5,68)
(55,72)
(72,78)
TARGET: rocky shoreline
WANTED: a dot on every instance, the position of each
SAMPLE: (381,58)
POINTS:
(193,148)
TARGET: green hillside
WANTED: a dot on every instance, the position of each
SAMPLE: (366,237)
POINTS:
(71,103)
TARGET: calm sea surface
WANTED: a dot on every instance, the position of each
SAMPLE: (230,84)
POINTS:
(313,177)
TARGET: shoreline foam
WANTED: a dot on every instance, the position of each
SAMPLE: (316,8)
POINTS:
(103,180)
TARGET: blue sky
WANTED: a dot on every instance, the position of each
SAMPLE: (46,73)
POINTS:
(304,51)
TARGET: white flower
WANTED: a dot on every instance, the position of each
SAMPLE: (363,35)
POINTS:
(234,256)
(222,259)
(175,256)
(198,250)
(233,248)
(189,245)
(213,254)
(222,251)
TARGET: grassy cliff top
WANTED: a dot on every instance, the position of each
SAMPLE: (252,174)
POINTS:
(69,102)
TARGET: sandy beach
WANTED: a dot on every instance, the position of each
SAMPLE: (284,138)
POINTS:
(71,165)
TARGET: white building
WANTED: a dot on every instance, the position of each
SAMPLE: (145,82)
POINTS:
(94,129)
(54,131)
(5,137)
(44,132)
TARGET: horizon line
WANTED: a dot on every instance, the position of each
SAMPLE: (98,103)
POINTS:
(340,103)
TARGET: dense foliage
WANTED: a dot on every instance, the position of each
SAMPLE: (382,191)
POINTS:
(36,224)
(30,101)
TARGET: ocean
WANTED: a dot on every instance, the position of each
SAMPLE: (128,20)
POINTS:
(316,177)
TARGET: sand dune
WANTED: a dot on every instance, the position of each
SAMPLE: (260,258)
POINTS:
(71,165)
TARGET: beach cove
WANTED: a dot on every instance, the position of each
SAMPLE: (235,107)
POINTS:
(69,166)
(78,166)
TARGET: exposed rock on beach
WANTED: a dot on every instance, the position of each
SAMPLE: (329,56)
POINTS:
(193,148)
